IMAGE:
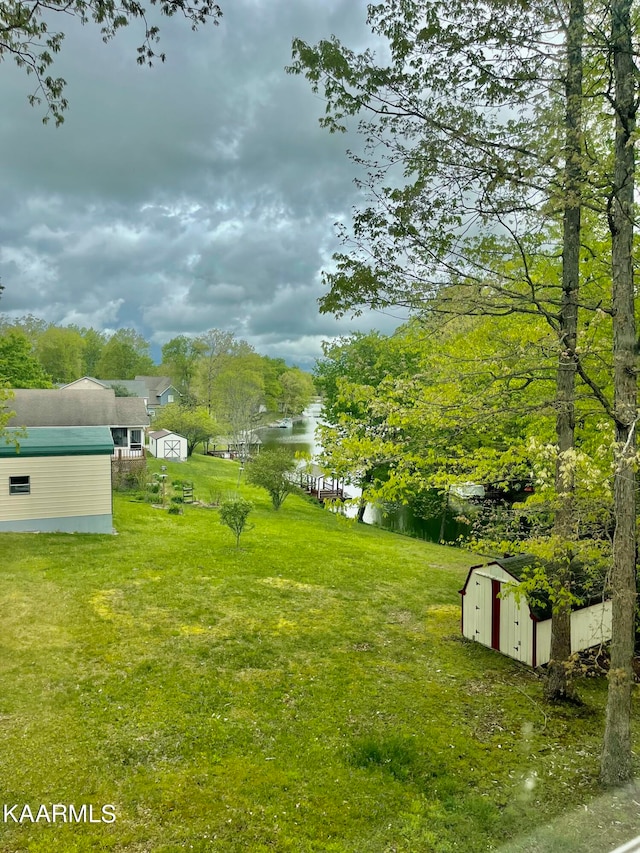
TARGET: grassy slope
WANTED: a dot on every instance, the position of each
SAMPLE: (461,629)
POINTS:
(307,693)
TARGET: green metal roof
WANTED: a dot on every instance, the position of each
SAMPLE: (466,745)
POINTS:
(58,441)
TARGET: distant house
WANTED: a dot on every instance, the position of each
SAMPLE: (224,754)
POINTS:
(494,616)
(57,479)
(126,417)
(156,391)
(160,392)
(164,444)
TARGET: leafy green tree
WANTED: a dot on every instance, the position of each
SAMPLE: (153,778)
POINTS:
(121,390)
(348,376)
(19,368)
(125,355)
(463,172)
(60,351)
(27,34)
(238,396)
(271,470)
(297,391)
(180,358)
(32,327)
(234,514)
(273,369)
(216,347)
(195,424)
(94,343)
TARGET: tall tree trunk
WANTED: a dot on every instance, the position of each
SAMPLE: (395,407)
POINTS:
(559,684)
(616,760)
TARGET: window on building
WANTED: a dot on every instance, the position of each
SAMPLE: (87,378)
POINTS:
(170,398)
(19,485)
(136,439)
(120,436)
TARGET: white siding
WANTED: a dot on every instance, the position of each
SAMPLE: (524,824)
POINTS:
(476,603)
(172,447)
(477,609)
(544,642)
(61,486)
(516,625)
(590,626)
(483,611)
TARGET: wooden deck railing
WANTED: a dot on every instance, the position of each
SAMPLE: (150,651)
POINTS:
(129,453)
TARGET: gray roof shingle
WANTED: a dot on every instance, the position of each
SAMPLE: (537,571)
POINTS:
(73,407)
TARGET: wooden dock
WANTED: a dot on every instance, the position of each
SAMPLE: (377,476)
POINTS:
(320,486)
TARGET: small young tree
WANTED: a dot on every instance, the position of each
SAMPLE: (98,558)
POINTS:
(270,470)
(234,514)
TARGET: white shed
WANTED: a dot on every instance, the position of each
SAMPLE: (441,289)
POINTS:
(164,444)
(494,616)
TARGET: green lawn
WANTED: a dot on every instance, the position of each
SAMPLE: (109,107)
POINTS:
(309,692)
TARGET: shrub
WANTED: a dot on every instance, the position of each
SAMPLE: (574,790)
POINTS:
(129,479)
(271,470)
(234,514)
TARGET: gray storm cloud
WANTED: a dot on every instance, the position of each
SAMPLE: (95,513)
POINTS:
(199,193)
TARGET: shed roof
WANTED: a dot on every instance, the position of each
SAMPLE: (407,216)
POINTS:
(59,441)
(163,433)
(540,603)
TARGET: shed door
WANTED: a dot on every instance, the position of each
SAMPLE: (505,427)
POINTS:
(172,448)
(516,628)
(482,609)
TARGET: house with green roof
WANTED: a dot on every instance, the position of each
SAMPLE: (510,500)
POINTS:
(56,479)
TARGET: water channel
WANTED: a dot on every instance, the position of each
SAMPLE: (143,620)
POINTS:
(301,436)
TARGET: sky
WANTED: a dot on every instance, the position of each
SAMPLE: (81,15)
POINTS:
(201,193)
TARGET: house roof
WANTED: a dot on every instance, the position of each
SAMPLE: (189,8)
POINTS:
(131,411)
(73,407)
(157,385)
(59,441)
(132,386)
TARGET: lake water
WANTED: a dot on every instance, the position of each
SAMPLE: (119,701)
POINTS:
(402,519)
(299,437)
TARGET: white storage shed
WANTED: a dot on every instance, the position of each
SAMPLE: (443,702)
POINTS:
(164,444)
(494,616)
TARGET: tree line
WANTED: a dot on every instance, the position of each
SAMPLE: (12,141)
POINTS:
(225,386)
